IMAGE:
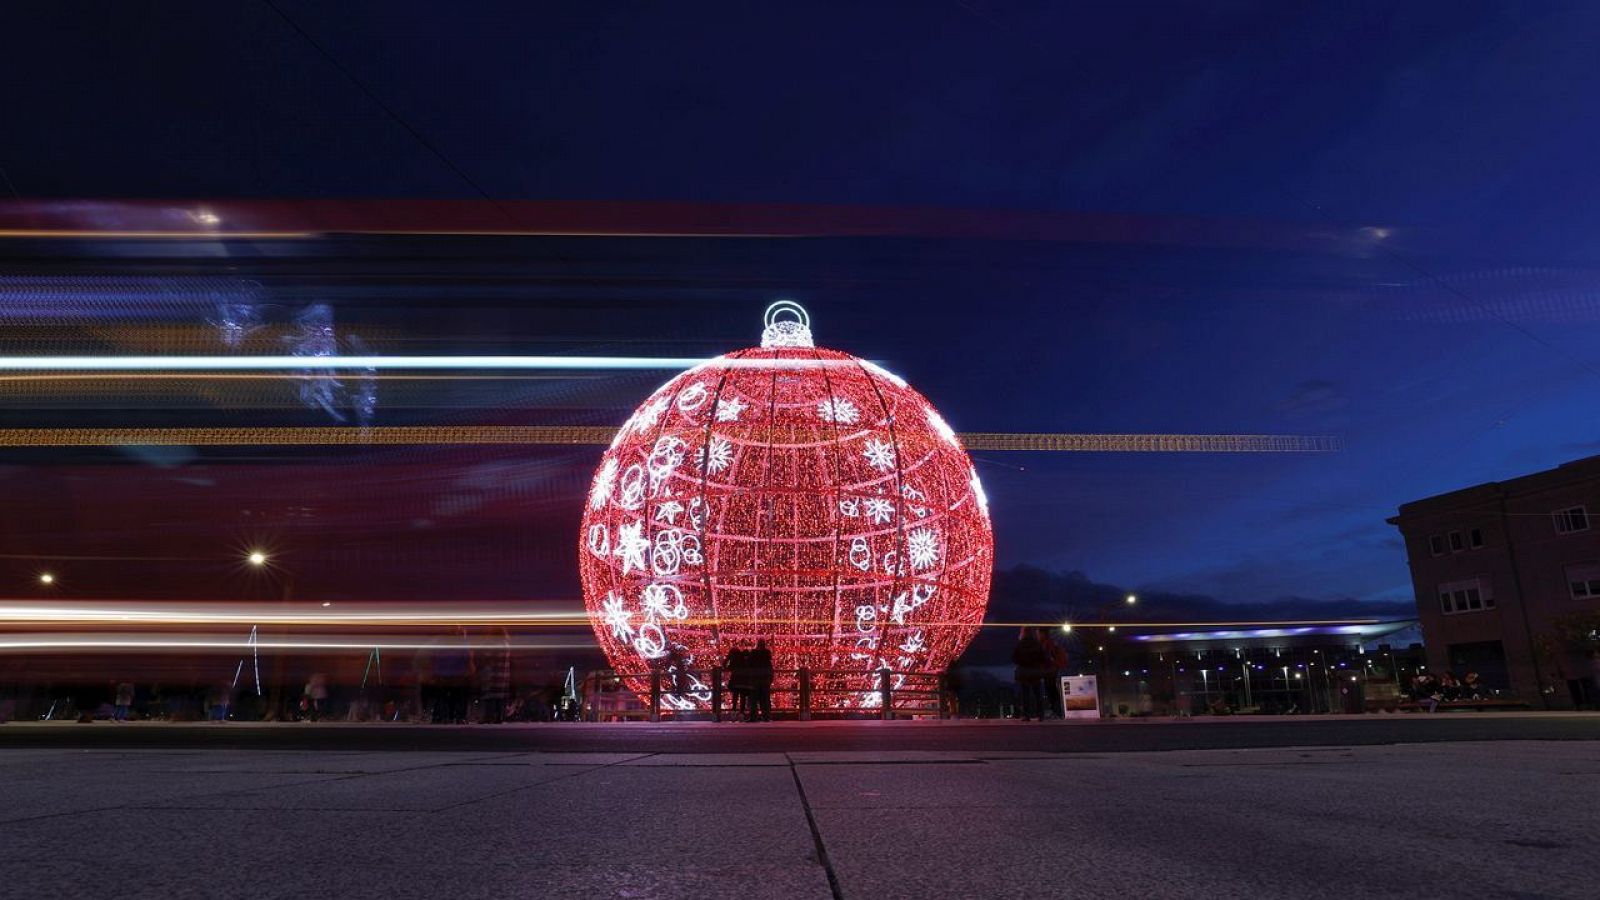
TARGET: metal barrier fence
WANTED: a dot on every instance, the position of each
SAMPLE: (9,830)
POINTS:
(607,695)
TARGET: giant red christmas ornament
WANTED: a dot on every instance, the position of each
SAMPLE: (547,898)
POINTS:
(789,493)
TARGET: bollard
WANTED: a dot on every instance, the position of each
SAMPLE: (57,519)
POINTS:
(805,695)
(655,695)
(716,693)
(886,692)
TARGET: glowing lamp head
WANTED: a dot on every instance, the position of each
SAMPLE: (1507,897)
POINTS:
(256,558)
(46,578)
(793,494)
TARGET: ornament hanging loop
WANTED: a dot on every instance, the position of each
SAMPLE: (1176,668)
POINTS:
(786,325)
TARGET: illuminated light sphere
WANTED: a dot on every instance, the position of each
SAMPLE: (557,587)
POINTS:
(793,494)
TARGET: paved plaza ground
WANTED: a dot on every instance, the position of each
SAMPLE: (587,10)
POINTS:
(1435,811)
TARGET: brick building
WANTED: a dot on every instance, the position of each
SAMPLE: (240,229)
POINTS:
(1496,566)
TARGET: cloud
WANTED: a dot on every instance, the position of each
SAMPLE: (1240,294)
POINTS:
(1313,397)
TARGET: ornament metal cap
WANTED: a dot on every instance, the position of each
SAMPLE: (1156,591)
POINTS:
(786,332)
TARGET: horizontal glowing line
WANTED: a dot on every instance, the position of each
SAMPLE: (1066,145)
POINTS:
(17,614)
(257,376)
(244,644)
(424,232)
(1264,624)
(291,363)
(600,435)
(164,235)
(24,614)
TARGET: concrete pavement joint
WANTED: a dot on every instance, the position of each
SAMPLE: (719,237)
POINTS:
(61,815)
(562,777)
(816,833)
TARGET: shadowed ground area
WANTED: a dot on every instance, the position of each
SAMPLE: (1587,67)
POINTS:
(1427,812)
(742,737)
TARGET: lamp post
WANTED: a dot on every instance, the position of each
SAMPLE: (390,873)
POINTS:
(259,560)
(1105,653)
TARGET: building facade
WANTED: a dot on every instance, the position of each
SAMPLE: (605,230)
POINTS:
(1502,571)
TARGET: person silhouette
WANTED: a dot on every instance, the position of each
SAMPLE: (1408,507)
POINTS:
(737,664)
(759,680)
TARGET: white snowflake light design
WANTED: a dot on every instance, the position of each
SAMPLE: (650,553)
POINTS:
(604,481)
(839,411)
(879,510)
(617,618)
(922,547)
(663,601)
(632,546)
(729,408)
(879,454)
(649,414)
(715,455)
(668,511)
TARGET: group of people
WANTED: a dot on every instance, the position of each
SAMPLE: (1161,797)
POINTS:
(1430,691)
(1038,659)
(750,681)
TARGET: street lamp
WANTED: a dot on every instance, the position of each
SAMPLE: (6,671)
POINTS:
(47,579)
(1066,627)
(1131,599)
(256,558)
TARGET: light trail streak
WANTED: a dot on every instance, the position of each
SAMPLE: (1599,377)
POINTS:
(294,363)
(273,614)
(259,376)
(603,435)
(48,233)
(200,643)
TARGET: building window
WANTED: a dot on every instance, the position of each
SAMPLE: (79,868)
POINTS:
(1572,519)
(1465,596)
(1586,588)
(1475,538)
(1584,581)
(1456,546)
(1436,544)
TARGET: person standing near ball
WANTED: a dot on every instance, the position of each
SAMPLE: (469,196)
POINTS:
(759,679)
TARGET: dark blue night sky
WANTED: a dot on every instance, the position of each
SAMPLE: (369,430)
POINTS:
(1372,220)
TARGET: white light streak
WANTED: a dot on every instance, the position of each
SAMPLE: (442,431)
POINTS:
(112,641)
(274,614)
(293,363)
